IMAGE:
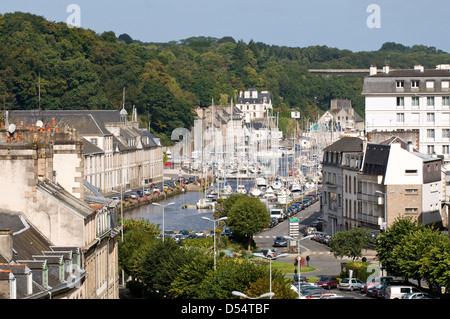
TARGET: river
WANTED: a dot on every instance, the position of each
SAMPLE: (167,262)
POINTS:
(175,217)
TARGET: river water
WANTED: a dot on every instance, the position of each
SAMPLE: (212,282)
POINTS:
(175,217)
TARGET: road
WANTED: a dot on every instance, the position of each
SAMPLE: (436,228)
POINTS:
(319,255)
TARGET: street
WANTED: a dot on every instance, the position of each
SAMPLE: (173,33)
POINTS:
(319,255)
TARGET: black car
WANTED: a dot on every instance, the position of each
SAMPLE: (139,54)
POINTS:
(280,241)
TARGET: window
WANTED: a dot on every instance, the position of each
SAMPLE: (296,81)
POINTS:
(400,117)
(400,102)
(410,172)
(400,84)
(412,210)
(415,102)
(430,101)
(430,149)
(430,117)
(411,191)
(415,118)
(430,133)
(446,133)
(430,84)
(446,101)
(415,84)
(446,149)
(94,141)
(445,84)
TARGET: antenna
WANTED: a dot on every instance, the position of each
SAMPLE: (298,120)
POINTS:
(39,90)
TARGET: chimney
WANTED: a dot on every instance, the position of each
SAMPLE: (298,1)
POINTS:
(418,68)
(373,70)
(6,244)
(409,147)
(386,69)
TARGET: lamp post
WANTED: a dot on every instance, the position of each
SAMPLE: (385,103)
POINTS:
(270,258)
(163,207)
(240,294)
(385,202)
(214,221)
(298,253)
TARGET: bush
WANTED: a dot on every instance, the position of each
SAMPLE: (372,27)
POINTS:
(359,270)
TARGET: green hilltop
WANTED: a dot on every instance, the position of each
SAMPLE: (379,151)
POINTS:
(80,69)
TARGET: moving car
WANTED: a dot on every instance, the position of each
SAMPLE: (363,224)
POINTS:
(350,284)
(279,241)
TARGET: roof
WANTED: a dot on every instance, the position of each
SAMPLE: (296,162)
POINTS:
(346,144)
(60,195)
(376,158)
(385,82)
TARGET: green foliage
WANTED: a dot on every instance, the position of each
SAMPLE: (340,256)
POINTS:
(349,243)
(138,236)
(412,250)
(246,215)
(80,69)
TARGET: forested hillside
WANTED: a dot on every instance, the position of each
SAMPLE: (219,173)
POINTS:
(80,69)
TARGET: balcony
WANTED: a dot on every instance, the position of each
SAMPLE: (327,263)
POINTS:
(368,198)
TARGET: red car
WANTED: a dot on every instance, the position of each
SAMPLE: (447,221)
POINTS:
(327,282)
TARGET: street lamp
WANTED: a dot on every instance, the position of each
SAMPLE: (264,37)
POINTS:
(215,220)
(298,253)
(163,207)
(240,294)
(385,202)
(121,205)
(270,258)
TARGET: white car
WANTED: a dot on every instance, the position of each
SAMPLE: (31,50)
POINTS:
(350,284)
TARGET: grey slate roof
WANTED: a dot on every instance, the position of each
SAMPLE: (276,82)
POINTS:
(258,100)
(385,82)
(346,144)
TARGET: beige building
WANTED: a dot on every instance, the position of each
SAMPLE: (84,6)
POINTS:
(53,242)
(116,151)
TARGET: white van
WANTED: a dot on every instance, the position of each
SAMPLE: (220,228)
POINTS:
(277,213)
(397,292)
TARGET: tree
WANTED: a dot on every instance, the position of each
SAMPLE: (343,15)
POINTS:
(349,243)
(162,263)
(247,216)
(138,236)
(388,241)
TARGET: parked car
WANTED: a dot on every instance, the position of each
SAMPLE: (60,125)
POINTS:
(397,292)
(302,279)
(279,241)
(327,282)
(273,221)
(320,294)
(265,253)
(376,291)
(419,295)
(350,284)
(372,281)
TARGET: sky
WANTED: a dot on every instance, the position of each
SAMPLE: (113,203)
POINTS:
(356,25)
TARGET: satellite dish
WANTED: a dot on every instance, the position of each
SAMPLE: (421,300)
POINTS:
(40,124)
(11,128)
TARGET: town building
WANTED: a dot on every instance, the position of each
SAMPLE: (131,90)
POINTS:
(254,105)
(405,100)
(54,241)
(371,184)
(117,152)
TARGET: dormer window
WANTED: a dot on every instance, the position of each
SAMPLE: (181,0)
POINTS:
(400,84)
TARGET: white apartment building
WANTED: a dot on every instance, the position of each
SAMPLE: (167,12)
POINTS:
(411,99)
(254,104)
